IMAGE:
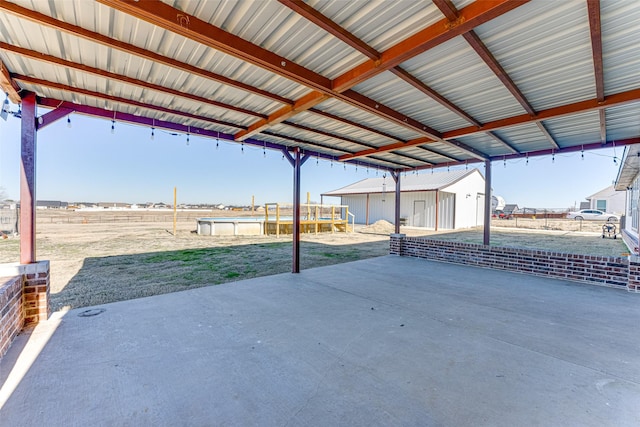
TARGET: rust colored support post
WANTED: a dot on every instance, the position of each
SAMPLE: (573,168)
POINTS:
(396,178)
(28,180)
(487,203)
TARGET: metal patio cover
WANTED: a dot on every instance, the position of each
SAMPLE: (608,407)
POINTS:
(392,85)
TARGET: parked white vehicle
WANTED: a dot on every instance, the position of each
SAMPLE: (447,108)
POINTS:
(593,215)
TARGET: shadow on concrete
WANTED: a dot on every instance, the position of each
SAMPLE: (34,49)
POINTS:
(379,342)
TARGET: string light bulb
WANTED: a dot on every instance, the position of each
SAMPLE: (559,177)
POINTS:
(153,133)
(113,126)
(242,147)
(69,121)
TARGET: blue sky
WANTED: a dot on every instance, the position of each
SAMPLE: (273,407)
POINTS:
(88,163)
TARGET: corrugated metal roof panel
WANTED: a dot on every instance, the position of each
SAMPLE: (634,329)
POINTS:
(277,28)
(486,144)
(353,114)
(429,156)
(410,182)
(43,39)
(136,111)
(575,130)
(378,24)
(620,33)
(321,123)
(546,49)
(393,92)
(448,149)
(455,71)
(623,121)
(345,147)
(528,136)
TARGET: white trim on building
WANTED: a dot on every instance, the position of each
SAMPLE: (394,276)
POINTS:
(439,200)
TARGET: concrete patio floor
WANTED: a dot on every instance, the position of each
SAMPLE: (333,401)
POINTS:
(387,341)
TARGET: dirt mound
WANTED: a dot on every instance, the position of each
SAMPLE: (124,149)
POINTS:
(379,227)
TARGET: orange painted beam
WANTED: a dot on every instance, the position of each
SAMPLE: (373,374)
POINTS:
(164,16)
(8,86)
(44,20)
(306,102)
(551,113)
(469,17)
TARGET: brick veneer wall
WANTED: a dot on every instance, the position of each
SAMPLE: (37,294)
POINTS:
(599,270)
(11,314)
(24,298)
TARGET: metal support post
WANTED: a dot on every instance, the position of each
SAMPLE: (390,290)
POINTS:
(487,203)
(297,163)
(396,178)
(28,180)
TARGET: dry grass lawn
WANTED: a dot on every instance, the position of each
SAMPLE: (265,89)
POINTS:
(95,263)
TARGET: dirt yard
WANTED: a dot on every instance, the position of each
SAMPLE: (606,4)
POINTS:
(100,260)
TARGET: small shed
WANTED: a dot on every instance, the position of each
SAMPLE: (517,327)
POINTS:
(607,200)
(438,200)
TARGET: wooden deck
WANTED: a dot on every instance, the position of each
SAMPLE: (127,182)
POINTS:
(315,219)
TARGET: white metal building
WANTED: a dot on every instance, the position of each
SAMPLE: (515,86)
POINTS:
(439,200)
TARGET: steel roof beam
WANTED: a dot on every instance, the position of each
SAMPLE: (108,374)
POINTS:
(438,153)
(503,142)
(382,159)
(124,79)
(311,14)
(328,134)
(164,16)
(451,13)
(52,116)
(354,124)
(551,113)
(8,85)
(371,106)
(309,100)
(547,134)
(612,100)
(545,152)
(593,8)
(477,13)
(305,141)
(407,156)
(92,36)
(488,58)
(116,99)
(171,126)
(413,81)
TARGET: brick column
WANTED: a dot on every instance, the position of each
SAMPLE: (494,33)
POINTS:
(36,292)
(35,289)
(11,312)
(395,243)
(633,279)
